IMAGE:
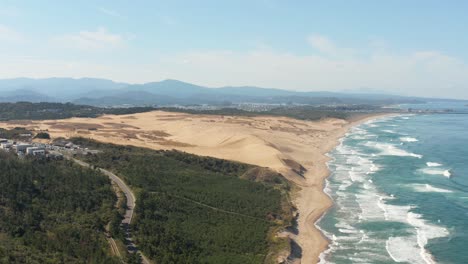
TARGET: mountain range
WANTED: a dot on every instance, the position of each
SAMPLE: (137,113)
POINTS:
(102,92)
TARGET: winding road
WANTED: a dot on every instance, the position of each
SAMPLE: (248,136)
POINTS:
(131,247)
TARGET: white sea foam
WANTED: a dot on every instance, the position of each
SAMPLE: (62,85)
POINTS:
(374,168)
(397,213)
(382,207)
(429,188)
(433,164)
(401,249)
(425,232)
(408,139)
(359,137)
(370,209)
(345,184)
(405,117)
(391,150)
(389,131)
(411,248)
(447,174)
(348,231)
(437,171)
(351,167)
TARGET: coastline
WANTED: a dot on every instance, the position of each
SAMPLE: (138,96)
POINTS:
(313,202)
(296,148)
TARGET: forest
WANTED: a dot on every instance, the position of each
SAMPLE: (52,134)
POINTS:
(193,209)
(43,111)
(53,212)
(306,112)
(15,133)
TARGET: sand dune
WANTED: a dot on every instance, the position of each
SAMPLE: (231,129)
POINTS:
(295,148)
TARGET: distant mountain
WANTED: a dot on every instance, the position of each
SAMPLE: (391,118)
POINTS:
(101,92)
(24,95)
(172,88)
(62,89)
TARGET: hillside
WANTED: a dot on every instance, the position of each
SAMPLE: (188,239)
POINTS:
(193,209)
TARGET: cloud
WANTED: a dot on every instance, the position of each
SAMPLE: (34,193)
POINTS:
(9,35)
(322,44)
(327,47)
(91,40)
(419,73)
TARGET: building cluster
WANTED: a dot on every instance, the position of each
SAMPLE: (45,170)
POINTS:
(55,150)
(29,149)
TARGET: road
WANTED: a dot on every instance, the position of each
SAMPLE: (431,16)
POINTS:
(131,247)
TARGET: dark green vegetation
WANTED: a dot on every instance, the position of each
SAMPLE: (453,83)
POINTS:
(53,212)
(41,111)
(193,209)
(43,135)
(297,112)
(15,133)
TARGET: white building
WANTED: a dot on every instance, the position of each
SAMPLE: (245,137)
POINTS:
(39,152)
(5,145)
(21,147)
(35,151)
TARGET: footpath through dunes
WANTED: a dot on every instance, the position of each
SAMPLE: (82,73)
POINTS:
(295,148)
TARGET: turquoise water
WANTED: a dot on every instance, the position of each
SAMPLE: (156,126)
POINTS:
(400,188)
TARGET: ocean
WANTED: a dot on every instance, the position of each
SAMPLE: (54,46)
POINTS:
(400,190)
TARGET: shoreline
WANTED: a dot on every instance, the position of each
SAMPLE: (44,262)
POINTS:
(295,148)
(312,200)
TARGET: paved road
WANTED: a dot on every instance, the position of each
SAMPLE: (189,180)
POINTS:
(128,194)
(131,247)
(124,187)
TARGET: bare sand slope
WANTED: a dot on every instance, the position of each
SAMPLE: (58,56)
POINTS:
(295,148)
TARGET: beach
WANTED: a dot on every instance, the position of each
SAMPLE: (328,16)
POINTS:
(295,148)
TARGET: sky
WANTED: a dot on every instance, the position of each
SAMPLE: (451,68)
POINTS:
(400,47)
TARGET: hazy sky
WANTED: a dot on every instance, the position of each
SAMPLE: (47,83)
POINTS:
(404,47)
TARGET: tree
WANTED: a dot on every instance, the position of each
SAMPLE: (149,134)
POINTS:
(43,135)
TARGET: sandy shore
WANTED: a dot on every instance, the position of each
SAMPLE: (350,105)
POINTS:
(295,148)
(313,202)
